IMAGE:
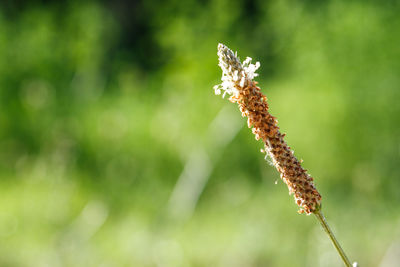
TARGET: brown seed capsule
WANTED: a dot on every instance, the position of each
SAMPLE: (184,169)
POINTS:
(237,81)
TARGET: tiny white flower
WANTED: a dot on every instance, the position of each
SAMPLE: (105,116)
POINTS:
(242,82)
(235,76)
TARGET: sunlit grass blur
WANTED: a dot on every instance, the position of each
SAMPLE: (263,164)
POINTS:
(114,151)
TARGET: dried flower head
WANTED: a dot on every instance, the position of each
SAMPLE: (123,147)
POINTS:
(237,81)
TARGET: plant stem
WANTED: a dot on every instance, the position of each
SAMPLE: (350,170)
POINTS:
(328,230)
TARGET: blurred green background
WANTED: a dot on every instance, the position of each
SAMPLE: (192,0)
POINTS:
(114,150)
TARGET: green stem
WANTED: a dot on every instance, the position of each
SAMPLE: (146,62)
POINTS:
(328,230)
